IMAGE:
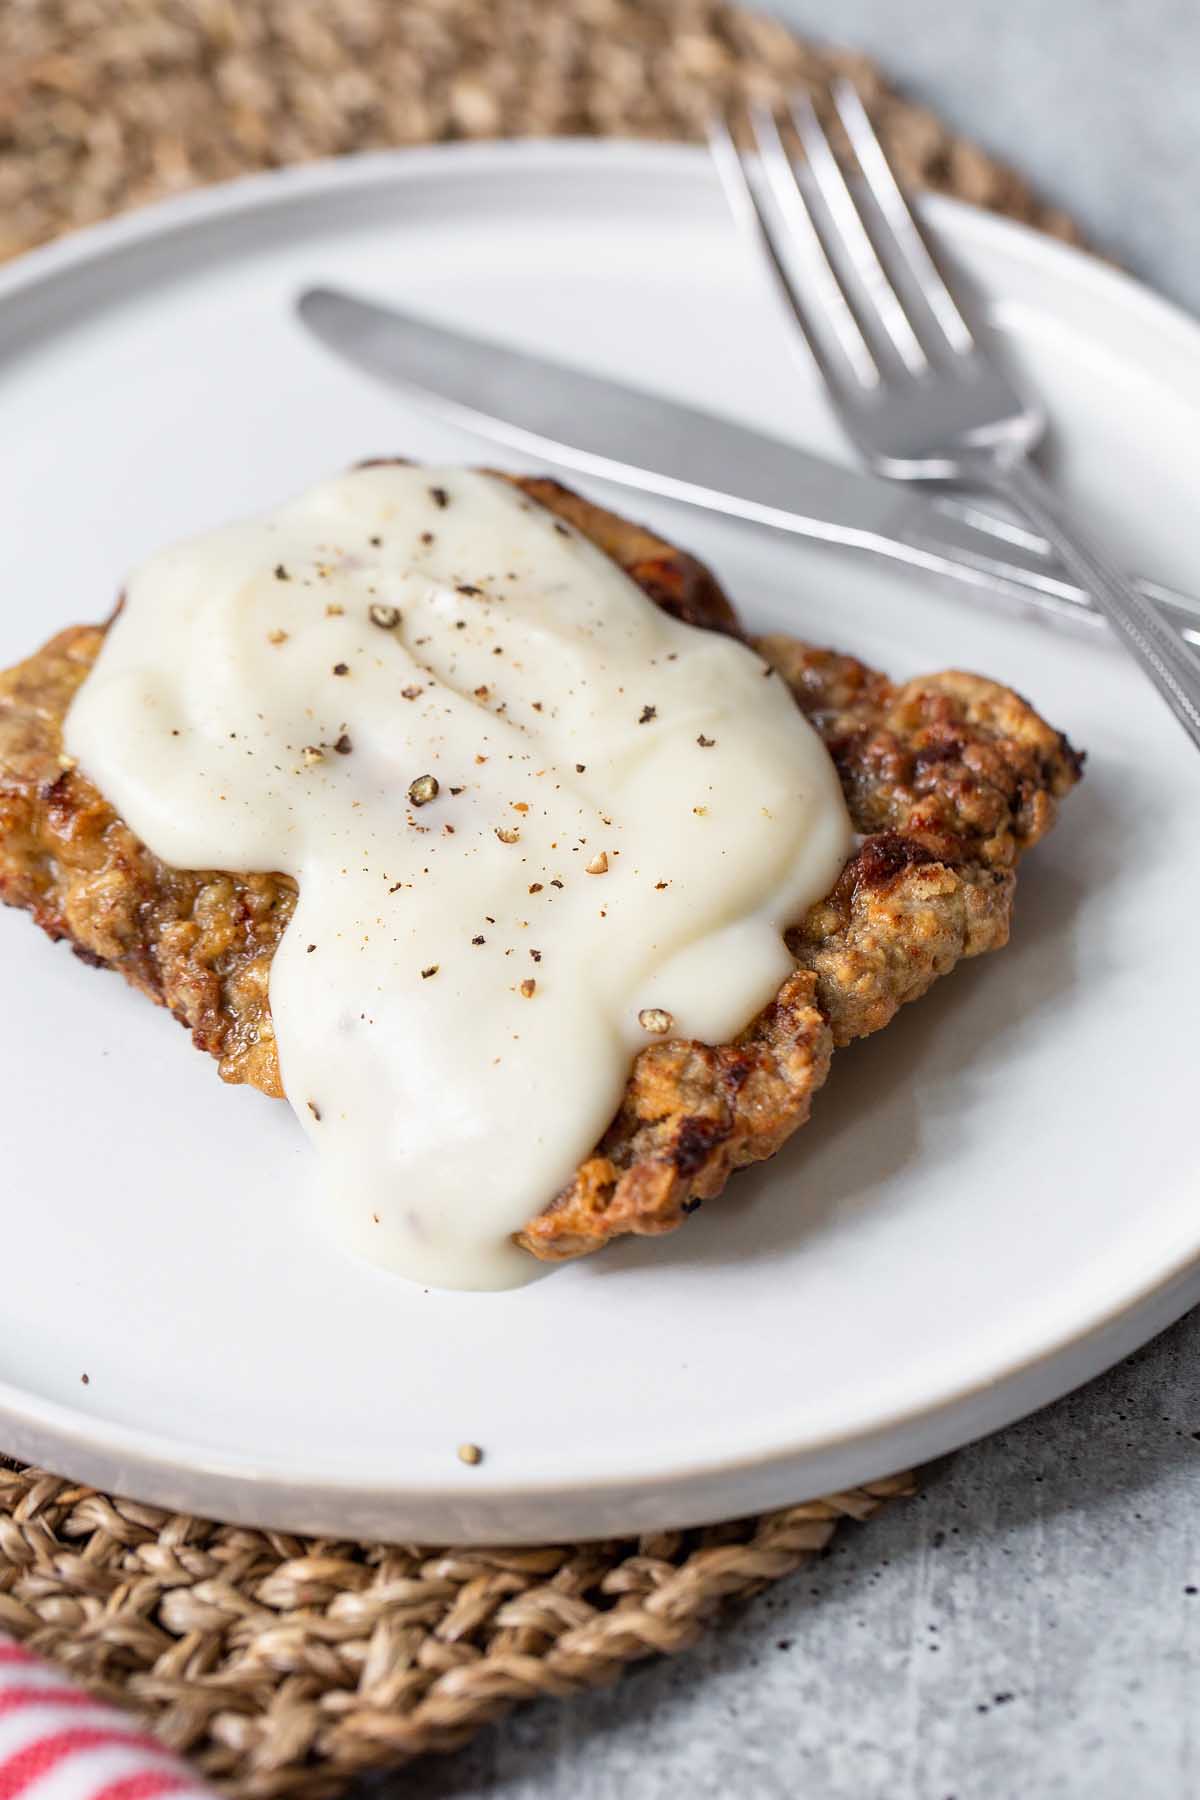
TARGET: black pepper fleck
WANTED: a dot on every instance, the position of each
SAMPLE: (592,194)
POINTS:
(439,496)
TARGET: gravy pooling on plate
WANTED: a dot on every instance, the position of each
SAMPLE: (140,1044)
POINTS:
(535,823)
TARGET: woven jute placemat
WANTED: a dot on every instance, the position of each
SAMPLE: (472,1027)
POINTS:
(283,1665)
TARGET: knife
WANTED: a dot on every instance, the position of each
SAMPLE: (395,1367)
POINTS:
(622,434)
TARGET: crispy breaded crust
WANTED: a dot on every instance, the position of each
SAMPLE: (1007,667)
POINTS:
(949,778)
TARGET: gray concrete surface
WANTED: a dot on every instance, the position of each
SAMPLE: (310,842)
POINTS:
(1031,1625)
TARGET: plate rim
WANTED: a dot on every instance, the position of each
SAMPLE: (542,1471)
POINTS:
(153,1463)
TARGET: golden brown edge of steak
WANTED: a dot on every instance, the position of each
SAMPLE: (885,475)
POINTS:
(949,778)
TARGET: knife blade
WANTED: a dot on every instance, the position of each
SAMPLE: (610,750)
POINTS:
(603,428)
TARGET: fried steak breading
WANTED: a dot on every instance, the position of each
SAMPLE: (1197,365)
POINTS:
(949,779)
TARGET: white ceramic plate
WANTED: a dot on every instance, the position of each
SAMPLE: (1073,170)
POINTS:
(995,1198)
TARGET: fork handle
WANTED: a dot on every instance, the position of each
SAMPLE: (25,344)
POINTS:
(1172,665)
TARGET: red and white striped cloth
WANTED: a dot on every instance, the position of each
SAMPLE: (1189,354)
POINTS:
(58,1743)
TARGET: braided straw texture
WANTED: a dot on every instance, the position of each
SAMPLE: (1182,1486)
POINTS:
(107,103)
(284,1666)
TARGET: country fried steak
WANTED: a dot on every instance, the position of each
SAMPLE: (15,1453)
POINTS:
(949,779)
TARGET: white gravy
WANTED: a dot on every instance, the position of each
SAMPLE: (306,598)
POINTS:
(627,815)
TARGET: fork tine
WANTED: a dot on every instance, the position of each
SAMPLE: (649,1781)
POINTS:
(906,234)
(860,252)
(796,212)
(750,214)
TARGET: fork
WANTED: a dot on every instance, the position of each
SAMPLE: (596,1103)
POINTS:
(915,391)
